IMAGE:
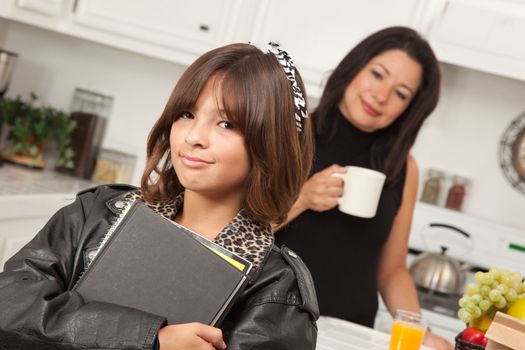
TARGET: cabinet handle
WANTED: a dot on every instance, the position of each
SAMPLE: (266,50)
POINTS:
(204,27)
(445,8)
(453,228)
(75,4)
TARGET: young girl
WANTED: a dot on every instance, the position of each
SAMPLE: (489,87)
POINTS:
(226,158)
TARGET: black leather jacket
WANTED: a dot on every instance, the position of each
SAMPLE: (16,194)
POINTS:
(38,310)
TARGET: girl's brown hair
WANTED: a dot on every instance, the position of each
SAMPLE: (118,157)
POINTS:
(258,99)
(393,143)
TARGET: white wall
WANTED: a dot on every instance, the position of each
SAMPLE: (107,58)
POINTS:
(461,137)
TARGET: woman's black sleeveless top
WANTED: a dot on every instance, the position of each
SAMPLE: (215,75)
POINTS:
(343,251)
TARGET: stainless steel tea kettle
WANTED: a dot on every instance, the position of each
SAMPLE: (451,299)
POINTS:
(439,272)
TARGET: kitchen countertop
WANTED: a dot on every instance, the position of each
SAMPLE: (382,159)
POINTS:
(30,193)
(336,334)
(19,180)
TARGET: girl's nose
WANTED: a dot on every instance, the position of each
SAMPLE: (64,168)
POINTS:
(198,135)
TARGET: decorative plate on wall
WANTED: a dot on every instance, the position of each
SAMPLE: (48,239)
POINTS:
(512,153)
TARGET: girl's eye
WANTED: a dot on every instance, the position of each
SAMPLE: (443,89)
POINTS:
(226,125)
(401,95)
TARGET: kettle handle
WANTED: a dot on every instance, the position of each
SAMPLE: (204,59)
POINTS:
(453,228)
(449,227)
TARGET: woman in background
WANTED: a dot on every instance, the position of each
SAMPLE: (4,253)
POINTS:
(369,115)
(226,158)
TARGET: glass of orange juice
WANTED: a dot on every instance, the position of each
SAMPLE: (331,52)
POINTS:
(408,331)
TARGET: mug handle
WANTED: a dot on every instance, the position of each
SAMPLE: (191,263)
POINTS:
(341,176)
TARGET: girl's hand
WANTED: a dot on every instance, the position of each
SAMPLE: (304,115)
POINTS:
(321,191)
(191,336)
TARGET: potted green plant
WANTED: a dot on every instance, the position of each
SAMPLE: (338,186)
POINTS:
(32,127)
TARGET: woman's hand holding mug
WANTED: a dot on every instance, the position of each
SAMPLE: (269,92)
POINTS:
(322,190)
(355,189)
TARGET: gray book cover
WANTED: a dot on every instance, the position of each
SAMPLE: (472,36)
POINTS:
(148,263)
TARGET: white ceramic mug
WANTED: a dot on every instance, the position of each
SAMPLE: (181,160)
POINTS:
(361,191)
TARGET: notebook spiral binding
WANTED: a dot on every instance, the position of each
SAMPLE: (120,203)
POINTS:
(115,222)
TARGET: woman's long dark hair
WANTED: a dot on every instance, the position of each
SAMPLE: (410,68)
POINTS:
(393,143)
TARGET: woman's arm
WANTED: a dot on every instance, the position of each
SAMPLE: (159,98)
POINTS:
(395,284)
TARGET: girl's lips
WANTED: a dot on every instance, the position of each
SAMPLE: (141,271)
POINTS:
(369,109)
(194,162)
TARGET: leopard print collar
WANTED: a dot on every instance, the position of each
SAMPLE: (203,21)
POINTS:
(244,236)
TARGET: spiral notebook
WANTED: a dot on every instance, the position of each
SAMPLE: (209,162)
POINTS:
(149,263)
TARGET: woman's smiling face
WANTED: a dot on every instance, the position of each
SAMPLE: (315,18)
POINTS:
(381,91)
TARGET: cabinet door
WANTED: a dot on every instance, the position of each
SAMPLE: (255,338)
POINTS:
(42,13)
(191,26)
(490,42)
(318,34)
(46,7)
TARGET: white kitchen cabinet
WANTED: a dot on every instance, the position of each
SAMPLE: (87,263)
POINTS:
(188,27)
(48,14)
(174,30)
(479,34)
(46,7)
(318,34)
(485,35)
